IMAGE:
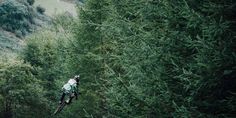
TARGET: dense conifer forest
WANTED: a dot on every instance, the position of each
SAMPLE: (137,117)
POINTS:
(136,59)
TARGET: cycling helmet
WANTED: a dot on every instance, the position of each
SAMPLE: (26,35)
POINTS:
(77,78)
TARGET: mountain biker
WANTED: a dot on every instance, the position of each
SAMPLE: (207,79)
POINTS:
(70,89)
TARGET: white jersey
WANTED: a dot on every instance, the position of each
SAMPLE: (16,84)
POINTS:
(70,85)
(72,82)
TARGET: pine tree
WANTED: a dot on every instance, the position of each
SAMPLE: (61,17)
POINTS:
(89,58)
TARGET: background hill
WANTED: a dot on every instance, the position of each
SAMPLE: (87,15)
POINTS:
(20,18)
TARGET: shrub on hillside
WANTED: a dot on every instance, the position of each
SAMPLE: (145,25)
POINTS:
(16,15)
(64,22)
(31,2)
(40,9)
(20,90)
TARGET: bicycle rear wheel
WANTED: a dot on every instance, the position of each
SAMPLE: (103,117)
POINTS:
(59,108)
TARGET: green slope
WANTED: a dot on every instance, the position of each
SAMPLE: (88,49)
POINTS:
(8,42)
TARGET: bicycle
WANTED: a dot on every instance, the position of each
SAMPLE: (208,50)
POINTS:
(64,102)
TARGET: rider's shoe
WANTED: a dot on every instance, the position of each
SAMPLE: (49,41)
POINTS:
(67,101)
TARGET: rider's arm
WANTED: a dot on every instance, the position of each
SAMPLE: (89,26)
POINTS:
(76,92)
(78,83)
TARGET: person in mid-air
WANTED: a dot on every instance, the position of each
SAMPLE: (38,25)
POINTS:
(70,89)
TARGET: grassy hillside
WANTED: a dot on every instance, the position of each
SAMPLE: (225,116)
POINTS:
(54,7)
(14,26)
(9,43)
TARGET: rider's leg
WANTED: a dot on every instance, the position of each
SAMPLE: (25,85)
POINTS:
(72,95)
(76,95)
(62,97)
(69,101)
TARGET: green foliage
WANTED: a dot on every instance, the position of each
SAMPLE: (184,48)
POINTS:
(141,59)
(21,95)
(158,58)
(88,61)
(64,23)
(43,52)
(47,52)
